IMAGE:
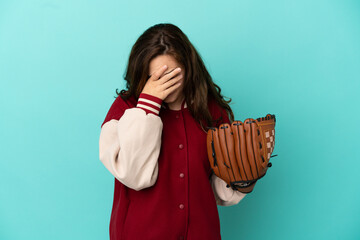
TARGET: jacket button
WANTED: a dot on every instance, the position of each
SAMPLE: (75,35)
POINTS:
(181,175)
(181,206)
(177,115)
(181,237)
(181,146)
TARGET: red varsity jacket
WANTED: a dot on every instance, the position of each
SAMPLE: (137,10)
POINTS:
(164,188)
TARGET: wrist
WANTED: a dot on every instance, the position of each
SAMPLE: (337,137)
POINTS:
(149,103)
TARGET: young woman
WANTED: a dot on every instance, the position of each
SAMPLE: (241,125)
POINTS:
(153,141)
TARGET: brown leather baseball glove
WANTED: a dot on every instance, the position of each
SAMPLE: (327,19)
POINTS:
(239,153)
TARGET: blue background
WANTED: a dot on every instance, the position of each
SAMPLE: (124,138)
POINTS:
(61,61)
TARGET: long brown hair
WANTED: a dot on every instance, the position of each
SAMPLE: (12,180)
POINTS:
(166,38)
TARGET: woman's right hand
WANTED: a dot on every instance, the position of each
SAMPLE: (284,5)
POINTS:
(164,86)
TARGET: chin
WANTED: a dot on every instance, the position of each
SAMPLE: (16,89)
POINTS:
(170,98)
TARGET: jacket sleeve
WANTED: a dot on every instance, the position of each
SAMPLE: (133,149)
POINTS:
(224,196)
(129,146)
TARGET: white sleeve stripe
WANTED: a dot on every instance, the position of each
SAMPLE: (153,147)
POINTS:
(148,108)
(149,101)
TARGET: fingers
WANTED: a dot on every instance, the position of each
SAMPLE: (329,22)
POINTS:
(217,158)
(159,72)
(250,147)
(171,82)
(169,75)
(168,91)
(229,151)
(258,147)
(240,150)
(171,85)
(227,144)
